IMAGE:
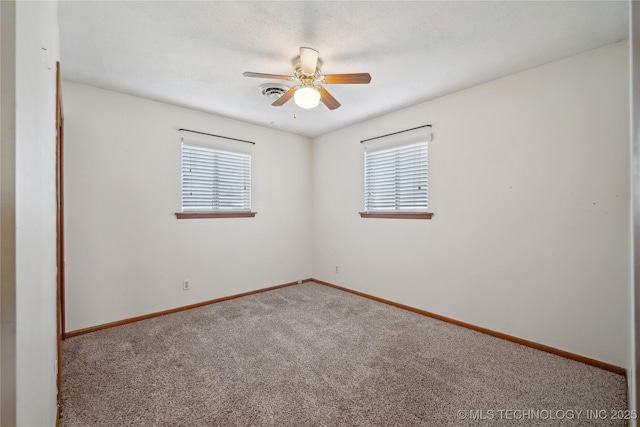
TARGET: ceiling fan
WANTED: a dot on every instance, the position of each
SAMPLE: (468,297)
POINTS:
(306,70)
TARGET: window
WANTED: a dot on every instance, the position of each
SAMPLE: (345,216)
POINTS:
(396,181)
(215,183)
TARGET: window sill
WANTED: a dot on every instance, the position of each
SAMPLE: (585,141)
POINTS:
(197,215)
(398,215)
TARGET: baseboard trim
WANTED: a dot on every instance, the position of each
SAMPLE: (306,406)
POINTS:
(96,328)
(587,360)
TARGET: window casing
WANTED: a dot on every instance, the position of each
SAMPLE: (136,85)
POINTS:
(396,179)
(215,180)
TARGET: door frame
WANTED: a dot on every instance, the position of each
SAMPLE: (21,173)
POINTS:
(59,234)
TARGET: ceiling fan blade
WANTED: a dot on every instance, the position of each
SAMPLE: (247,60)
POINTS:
(308,59)
(327,99)
(267,76)
(357,78)
(284,98)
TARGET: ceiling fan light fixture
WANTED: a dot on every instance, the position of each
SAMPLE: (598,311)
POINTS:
(307,94)
(307,97)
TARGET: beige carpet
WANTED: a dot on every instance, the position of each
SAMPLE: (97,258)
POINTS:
(310,355)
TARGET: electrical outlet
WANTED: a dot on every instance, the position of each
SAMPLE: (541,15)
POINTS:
(299,282)
(186,285)
(337,269)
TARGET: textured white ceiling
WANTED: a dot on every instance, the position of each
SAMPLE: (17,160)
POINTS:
(193,54)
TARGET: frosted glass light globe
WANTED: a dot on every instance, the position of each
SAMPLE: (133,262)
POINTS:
(307,97)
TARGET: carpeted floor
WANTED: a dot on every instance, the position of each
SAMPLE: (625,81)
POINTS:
(310,355)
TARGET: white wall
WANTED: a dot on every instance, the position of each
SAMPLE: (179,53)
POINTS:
(37,51)
(127,254)
(529,185)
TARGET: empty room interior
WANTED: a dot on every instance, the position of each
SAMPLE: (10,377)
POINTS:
(318,213)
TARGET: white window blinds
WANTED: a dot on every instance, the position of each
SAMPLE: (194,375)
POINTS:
(215,180)
(396,179)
